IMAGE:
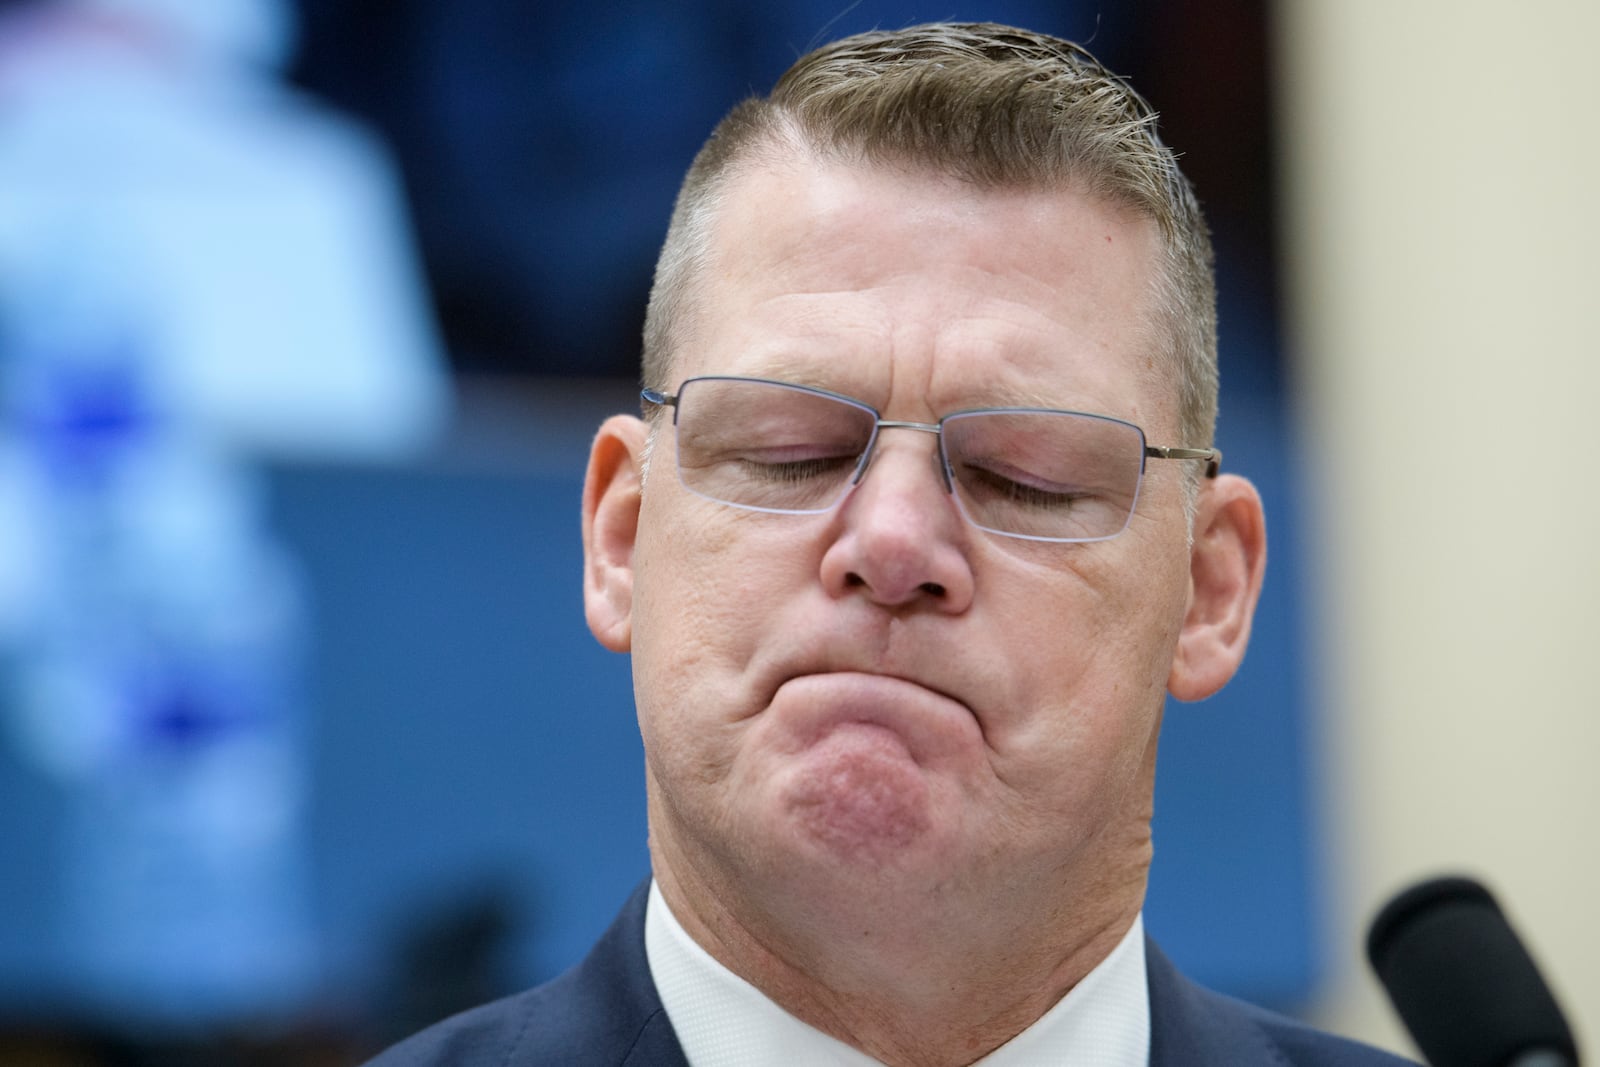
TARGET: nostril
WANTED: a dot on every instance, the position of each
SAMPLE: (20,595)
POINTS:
(933,589)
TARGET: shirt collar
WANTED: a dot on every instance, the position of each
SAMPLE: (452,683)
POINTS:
(723,1021)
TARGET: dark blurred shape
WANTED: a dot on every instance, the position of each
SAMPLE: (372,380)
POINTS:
(1206,64)
(1462,981)
(542,146)
(543,143)
(76,1043)
(452,956)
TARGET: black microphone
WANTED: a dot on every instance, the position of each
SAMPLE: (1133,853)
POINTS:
(1463,983)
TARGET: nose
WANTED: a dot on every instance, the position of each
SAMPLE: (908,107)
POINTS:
(901,539)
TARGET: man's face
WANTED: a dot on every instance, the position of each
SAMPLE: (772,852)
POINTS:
(883,696)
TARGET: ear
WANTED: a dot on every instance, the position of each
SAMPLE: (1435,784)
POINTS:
(610,526)
(1226,564)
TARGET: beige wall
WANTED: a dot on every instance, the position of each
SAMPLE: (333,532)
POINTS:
(1442,211)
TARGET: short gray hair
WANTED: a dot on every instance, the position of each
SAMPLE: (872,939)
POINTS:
(988,104)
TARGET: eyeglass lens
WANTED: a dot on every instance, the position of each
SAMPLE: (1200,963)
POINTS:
(1039,474)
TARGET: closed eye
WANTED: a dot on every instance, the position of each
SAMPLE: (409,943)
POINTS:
(797,471)
(994,486)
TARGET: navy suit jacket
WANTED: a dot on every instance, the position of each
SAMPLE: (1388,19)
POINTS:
(605,1012)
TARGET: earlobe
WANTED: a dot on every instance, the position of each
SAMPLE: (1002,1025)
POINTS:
(1226,564)
(611,498)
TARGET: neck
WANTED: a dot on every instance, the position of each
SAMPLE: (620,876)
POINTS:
(940,977)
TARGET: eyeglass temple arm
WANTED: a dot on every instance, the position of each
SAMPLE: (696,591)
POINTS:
(1212,456)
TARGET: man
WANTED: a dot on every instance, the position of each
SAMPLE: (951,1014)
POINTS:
(920,526)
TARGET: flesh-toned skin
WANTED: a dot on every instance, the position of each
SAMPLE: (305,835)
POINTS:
(899,769)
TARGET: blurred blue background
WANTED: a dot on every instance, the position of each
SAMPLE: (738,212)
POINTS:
(306,315)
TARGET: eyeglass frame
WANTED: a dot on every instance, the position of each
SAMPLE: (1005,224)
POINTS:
(659,399)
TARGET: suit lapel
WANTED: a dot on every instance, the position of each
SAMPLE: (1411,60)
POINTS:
(1190,1026)
(622,992)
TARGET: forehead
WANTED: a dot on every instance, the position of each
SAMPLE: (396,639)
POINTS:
(882,281)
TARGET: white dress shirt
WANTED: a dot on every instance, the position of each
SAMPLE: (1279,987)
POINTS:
(723,1021)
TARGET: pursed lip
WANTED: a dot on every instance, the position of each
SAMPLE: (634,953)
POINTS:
(931,720)
(910,660)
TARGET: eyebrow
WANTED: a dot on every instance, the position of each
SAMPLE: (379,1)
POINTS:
(999,397)
(800,369)
(781,367)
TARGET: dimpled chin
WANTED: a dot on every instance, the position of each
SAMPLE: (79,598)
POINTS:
(858,794)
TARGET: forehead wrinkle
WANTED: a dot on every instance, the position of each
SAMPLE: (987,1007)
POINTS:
(833,337)
(815,365)
(1016,365)
(828,356)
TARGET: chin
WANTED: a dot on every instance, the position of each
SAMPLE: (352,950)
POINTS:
(862,807)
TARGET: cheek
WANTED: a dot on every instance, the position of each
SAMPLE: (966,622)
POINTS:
(1097,618)
(697,592)
(706,587)
(1082,758)
(1098,649)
